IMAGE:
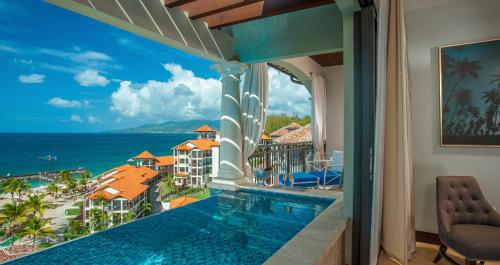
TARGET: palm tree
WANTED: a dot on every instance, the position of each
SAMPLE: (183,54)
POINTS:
(77,227)
(95,218)
(10,186)
(496,79)
(36,204)
(146,207)
(54,189)
(100,200)
(37,227)
(131,216)
(492,99)
(73,186)
(85,176)
(464,108)
(22,187)
(14,214)
(463,68)
(65,176)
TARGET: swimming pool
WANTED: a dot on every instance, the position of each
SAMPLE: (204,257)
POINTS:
(244,227)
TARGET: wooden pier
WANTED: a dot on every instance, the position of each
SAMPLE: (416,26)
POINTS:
(48,175)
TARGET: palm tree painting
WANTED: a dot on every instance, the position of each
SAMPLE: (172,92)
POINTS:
(470,94)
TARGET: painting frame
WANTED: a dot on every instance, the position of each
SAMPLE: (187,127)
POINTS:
(442,140)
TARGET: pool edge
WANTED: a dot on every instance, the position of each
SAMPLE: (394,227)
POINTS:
(319,242)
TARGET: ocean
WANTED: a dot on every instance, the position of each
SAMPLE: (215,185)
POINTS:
(22,153)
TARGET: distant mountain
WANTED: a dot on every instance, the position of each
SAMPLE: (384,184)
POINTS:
(171,127)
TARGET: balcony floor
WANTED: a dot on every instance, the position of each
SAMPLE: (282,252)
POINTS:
(424,255)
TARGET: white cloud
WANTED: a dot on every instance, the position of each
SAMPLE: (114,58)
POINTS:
(286,97)
(31,79)
(184,96)
(93,119)
(76,118)
(64,103)
(91,78)
(81,59)
(7,48)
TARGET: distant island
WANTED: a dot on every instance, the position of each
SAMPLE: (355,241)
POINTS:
(273,123)
(170,127)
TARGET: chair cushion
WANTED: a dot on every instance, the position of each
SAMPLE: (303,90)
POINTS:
(481,242)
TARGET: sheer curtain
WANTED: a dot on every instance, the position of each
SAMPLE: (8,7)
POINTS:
(393,225)
(318,91)
(254,99)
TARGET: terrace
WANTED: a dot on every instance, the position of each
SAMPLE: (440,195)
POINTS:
(352,58)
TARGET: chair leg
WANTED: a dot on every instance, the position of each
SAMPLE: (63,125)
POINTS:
(441,253)
(470,262)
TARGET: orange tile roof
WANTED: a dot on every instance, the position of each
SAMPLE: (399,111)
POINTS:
(183,147)
(127,180)
(182,201)
(204,128)
(165,161)
(202,144)
(265,137)
(145,155)
(285,129)
(298,136)
(181,174)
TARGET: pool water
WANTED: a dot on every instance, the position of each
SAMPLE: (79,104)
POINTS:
(36,183)
(228,228)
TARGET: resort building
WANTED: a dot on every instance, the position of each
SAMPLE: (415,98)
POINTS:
(266,139)
(196,162)
(163,164)
(298,135)
(119,191)
(285,129)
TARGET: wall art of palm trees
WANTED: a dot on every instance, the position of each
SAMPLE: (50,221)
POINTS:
(470,94)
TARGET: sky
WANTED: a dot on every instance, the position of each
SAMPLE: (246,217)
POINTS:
(63,72)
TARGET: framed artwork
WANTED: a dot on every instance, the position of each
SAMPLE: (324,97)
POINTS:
(470,94)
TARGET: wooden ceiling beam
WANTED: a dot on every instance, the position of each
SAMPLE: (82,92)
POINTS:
(235,15)
(174,3)
(277,7)
(329,59)
(223,9)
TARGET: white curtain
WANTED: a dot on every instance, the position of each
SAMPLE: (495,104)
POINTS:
(393,225)
(318,91)
(254,99)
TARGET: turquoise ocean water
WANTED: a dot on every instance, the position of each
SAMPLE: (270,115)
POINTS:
(20,153)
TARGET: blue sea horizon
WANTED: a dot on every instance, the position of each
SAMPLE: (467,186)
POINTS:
(22,153)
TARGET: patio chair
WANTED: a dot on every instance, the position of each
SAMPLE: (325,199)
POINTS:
(325,173)
(467,223)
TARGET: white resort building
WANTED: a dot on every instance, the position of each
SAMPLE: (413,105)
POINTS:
(163,164)
(196,162)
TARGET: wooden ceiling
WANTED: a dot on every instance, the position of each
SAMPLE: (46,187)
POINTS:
(329,59)
(221,13)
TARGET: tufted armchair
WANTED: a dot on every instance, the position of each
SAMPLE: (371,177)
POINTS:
(467,223)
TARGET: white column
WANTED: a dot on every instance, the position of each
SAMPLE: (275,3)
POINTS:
(230,169)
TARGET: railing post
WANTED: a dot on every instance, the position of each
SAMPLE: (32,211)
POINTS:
(304,160)
(267,157)
(288,161)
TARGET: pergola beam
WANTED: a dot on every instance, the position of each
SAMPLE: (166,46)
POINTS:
(175,3)
(223,9)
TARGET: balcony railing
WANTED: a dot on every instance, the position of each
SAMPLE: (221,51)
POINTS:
(283,158)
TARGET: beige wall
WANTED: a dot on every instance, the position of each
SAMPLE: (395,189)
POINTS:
(334,109)
(429,28)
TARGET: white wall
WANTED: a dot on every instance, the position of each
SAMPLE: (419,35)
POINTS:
(334,108)
(428,28)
